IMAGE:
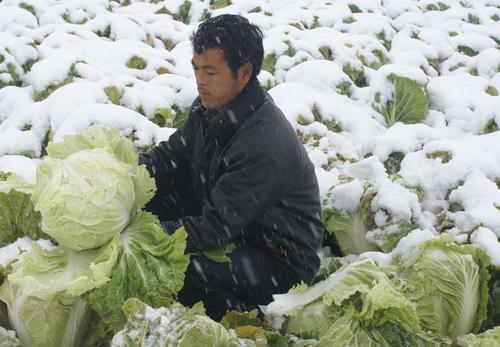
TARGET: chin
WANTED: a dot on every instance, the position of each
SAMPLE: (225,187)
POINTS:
(208,105)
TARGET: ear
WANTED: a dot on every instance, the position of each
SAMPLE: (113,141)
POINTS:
(245,72)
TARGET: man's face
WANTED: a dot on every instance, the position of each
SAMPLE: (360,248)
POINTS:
(216,84)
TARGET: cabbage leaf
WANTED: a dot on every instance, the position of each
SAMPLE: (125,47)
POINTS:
(150,267)
(490,338)
(45,292)
(408,105)
(88,198)
(8,338)
(451,285)
(350,228)
(174,326)
(358,305)
(93,137)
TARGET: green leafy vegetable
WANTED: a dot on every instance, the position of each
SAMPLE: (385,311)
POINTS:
(89,187)
(359,305)
(93,137)
(113,94)
(137,62)
(216,4)
(85,199)
(409,103)
(8,338)
(175,326)
(451,284)
(18,217)
(150,267)
(40,95)
(445,156)
(45,291)
(350,228)
(393,163)
(490,338)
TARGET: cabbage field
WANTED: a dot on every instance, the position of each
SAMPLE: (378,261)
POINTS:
(396,101)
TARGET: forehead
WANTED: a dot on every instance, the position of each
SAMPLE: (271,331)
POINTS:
(211,56)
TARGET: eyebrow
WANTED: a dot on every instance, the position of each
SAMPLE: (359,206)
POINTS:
(207,66)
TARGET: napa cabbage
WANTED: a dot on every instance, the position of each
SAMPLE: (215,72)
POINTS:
(86,199)
(150,266)
(93,137)
(45,292)
(371,216)
(348,217)
(408,104)
(18,217)
(450,284)
(490,338)
(89,188)
(358,305)
(89,196)
(175,326)
(8,338)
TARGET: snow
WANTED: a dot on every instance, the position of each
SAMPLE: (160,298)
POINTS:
(370,168)
(479,197)
(401,202)
(486,239)
(321,75)
(84,47)
(381,259)
(347,196)
(407,248)
(24,244)
(380,82)
(468,154)
(401,137)
(19,165)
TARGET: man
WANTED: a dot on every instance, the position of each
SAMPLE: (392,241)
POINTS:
(236,173)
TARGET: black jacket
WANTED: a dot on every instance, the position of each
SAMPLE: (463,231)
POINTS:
(240,175)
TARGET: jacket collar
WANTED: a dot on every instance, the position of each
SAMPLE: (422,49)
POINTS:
(224,125)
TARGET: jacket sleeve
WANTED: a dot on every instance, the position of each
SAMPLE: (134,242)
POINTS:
(249,185)
(168,164)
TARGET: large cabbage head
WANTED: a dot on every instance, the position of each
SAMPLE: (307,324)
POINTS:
(86,198)
(450,284)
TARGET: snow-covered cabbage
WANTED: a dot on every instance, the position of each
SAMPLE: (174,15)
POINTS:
(408,102)
(61,289)
(348,217)
(89,193)
(45,292)
(8,338)
(371,216)
(451,285)
(175,326)
(10,181)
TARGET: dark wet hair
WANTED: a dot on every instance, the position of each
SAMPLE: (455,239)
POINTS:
(240,41)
